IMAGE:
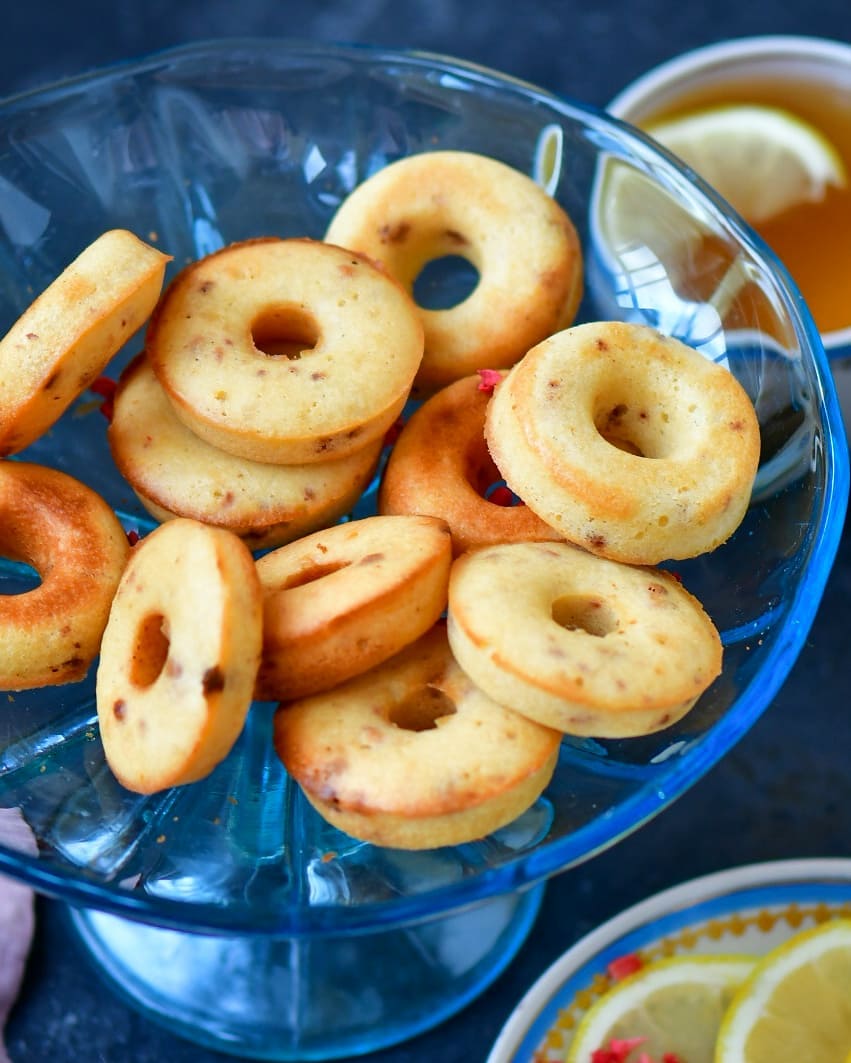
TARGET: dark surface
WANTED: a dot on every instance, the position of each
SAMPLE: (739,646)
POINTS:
(782,792)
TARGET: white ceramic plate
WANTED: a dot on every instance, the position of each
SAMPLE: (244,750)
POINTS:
(747,909)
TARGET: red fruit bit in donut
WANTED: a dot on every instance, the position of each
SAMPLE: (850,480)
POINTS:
(394,234)
(488,379)
(133,537)
(455,237)
(393,432)
(213,680)
(502,496)
(105,387)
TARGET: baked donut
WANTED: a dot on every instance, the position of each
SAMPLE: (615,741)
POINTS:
(455,203)
(69,535)
(341,601)
(412,755)
(580,643)
(627,442)
(353,337)
(175,473)
(179,656)
(440,465)
(66,337)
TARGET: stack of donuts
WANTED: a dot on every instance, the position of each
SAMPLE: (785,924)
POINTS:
(426,660)
(271,373)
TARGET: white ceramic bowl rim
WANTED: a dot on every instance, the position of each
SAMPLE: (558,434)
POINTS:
(628,103)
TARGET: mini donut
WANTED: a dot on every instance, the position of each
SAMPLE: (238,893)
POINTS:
(179,656)
(352,333)
(69,535)
(577,642)
(627,442)
(412,755)
(440,465)
(71,331)
(522,243)
(175,473)
(341,601)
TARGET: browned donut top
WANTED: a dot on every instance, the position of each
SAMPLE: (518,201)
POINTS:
(68,534)
(351,339)
(521,242)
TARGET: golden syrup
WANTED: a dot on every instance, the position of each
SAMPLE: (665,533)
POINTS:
(812,239)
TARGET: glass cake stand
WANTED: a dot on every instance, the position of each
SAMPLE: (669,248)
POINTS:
(228,909)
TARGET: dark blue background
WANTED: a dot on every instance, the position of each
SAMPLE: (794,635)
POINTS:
(782,792)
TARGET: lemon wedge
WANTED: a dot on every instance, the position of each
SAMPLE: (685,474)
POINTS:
(673,1005)
(796,1004)
(762,160)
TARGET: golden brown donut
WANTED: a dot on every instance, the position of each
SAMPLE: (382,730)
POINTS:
(175,473)
(68,534)
(440,465)
(521,242)
(627,442)
(66,337)
(179,656)
(354,339)
(580,643)
(343,600)
(412,755)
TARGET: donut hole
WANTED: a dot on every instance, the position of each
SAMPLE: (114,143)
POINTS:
(18,577)
(486,479)
(422,709)
(312,574)
(635,426)
(445,282)
(150,650)
(577,612)
(284,332)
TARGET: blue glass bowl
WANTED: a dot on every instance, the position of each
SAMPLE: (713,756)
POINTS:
(214,143)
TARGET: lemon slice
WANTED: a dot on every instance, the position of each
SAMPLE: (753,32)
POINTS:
(635,215)
(675,1005)
(762,160)
(796,1005)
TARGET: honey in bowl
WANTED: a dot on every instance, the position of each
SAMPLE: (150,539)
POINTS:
(807,81)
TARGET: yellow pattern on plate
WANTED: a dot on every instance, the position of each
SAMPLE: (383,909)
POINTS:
(745,929)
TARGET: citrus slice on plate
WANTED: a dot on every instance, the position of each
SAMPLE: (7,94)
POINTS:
(670,1006)
(762,160)
(796,1004)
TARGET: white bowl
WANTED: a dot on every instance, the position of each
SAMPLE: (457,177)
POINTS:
(753,59)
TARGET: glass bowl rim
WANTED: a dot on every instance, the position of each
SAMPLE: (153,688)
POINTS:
(532,867)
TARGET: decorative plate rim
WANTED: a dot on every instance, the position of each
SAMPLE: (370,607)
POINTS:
(643,915)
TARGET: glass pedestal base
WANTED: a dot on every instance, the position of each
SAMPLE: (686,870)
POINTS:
(313,998)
